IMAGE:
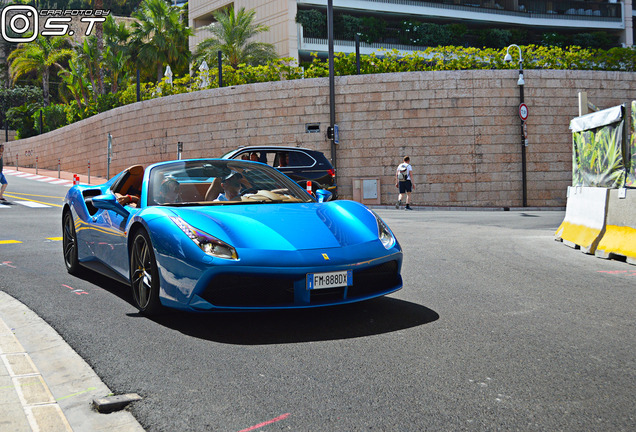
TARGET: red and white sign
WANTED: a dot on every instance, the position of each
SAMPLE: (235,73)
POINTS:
(523,112)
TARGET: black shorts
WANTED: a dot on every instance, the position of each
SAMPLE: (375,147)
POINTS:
(405,186)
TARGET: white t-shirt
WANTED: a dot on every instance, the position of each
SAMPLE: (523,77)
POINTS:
(403,166)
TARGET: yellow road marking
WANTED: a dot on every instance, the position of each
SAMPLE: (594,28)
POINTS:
(40,196)
(35,201)
(9,241)
(55,238)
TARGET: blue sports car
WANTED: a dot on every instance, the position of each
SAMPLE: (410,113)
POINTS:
(212,234)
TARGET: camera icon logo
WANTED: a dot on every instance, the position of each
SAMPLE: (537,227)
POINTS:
(18,20)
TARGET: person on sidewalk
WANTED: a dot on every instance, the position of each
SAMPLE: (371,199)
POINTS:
(3,179)
(404,182)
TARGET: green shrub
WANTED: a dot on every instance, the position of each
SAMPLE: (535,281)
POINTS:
(21,119)
(494,38)
(425,34)
(373,29)
(107,102)
(314,23)
(53,117)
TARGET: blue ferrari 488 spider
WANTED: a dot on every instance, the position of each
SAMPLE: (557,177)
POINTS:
(211,234)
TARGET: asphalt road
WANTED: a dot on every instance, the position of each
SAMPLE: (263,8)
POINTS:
(498,327)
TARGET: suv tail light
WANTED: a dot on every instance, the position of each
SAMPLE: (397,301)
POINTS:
(332,172)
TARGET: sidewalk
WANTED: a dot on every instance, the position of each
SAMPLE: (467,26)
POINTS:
(45,385)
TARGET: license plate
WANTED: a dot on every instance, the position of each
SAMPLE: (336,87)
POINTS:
(329,279)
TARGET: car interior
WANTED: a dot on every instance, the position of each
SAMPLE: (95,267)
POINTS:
(130,182)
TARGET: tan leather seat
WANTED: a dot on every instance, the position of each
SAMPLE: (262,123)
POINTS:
(132,181)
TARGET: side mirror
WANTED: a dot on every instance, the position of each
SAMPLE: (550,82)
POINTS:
(109,202)
(323,195)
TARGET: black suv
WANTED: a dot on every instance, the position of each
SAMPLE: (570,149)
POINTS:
(300,164)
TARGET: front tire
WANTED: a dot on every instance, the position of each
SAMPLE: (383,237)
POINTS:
(144,275)
(69,244)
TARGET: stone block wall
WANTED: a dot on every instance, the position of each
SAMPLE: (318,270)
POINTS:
(460,128)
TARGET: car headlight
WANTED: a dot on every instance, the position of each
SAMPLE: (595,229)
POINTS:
(208,243)
(384,233)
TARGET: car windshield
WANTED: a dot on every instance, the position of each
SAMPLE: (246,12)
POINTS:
(220,182)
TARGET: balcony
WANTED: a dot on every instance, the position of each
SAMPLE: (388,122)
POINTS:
(546,16)
(594,15)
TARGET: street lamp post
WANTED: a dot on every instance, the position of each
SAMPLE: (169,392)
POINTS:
(521,83)
(332,85)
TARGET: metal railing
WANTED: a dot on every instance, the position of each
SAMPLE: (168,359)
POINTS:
(566,9)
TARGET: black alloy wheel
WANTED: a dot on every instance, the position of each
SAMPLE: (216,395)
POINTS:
(69,244)
(144,275)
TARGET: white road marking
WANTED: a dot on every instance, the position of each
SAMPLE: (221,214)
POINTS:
(32,204)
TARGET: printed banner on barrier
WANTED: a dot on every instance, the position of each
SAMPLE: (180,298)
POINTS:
(597,147)
(631,166)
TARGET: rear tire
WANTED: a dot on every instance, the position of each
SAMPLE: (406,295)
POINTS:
(144,275)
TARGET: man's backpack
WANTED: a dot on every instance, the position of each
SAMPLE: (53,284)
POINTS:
(403,173)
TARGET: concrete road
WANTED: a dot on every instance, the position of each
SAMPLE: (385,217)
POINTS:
(498,327)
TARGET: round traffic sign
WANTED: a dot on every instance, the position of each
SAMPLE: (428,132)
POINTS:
(523,112)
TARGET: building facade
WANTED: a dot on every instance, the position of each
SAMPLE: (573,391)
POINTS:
(531,18)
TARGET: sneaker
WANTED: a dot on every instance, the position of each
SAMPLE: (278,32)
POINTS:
(399,203)
(408,207)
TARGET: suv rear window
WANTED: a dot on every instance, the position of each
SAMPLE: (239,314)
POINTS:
(296,159)
(278,159)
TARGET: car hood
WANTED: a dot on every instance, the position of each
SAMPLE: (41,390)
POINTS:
(286,226)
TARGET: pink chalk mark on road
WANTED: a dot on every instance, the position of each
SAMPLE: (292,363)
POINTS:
(268,422)
(75,291)
(625,272)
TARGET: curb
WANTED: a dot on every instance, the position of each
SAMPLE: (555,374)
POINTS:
(46,385)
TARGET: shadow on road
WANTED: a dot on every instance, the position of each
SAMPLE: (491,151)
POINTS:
(377,316)
(367,318)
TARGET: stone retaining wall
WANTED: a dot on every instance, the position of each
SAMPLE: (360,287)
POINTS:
(461,129)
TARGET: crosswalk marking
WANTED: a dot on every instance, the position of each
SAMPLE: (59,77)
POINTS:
(41,178)
(32,204)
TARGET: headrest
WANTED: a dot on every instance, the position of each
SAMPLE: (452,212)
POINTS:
(136,170)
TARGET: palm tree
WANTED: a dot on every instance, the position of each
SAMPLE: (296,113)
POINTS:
(115,64)
(231,34)
(75,82)
(88,54)
(39,56)
(160,37)
(117,52)
(99,34)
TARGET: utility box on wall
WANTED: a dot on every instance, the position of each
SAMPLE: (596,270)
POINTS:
(366,190)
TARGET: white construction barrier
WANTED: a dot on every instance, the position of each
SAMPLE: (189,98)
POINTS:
(585,214)
(619,237)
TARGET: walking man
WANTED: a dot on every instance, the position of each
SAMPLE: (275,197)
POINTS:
(3,179)
(404,182)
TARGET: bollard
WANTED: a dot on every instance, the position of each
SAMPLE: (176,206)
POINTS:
(36,165)
(59,166)
(16,162)
(309,187)
(89,172)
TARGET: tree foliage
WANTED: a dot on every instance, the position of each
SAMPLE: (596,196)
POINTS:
(39,56)
(160,37)
(231,34)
